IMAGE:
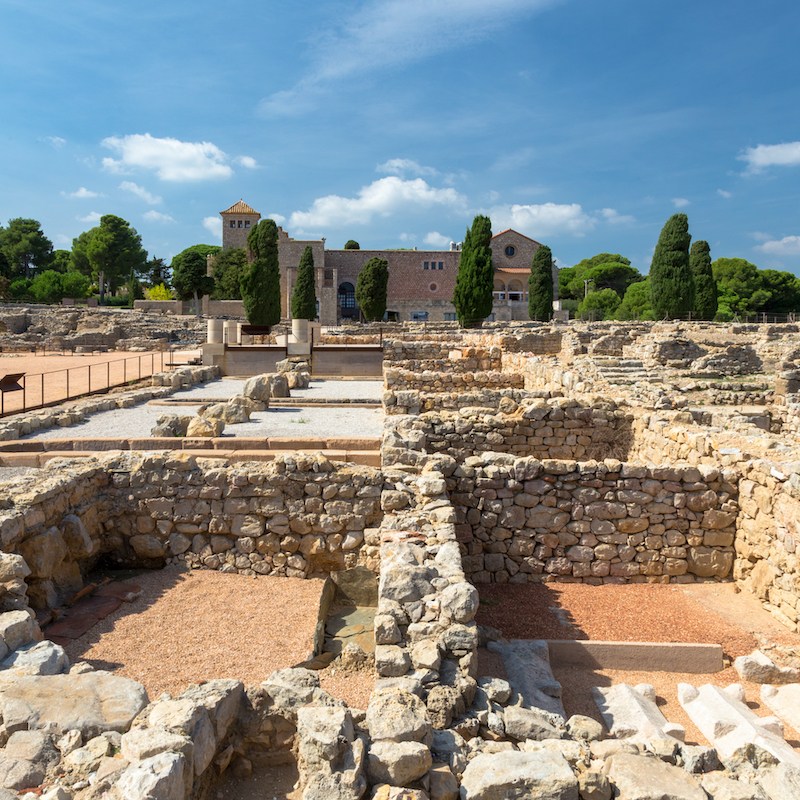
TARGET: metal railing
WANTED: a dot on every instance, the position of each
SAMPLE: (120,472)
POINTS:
(38,390)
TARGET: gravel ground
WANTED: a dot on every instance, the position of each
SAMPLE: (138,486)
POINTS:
(9,473)
(706,612)
(296,422)
(190,626)
(319,390)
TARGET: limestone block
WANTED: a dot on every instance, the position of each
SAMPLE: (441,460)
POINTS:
(205,427)
(784,702)
(90,702)
(79,543)
(725,720)
(41,658)
(512,774)
(398,763)
(18,628)
(631,713)
(721,787)
(525,723)
(759,668)
(44,552)
(397,716)
(160,776)
(649,778)
(707,562)
(147,545)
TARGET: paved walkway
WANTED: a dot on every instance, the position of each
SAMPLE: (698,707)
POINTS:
(285,421)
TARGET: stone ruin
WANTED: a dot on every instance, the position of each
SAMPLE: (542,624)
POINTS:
(598,453)
(89,329)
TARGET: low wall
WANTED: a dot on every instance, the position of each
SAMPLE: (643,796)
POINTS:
(438,381)
(296,515)
(545,428)
(521,520)
(365,361)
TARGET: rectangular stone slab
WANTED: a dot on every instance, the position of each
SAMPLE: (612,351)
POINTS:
(636,656)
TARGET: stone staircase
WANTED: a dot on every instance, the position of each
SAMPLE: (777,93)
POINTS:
(625,371)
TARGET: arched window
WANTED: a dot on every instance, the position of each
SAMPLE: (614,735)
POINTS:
(347,295)
(499,289)
(515,290)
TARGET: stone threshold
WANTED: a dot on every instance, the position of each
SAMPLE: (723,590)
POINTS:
(636,656)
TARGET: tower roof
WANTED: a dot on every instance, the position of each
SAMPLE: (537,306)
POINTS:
(240,208)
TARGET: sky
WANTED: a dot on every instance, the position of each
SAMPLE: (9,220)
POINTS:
(583,124)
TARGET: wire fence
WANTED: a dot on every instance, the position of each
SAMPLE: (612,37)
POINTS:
(29,391)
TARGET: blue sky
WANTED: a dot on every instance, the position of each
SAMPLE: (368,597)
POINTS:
(582,123)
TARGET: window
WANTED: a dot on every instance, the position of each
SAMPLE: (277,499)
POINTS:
(233,223)
(419,316)
(247,223)
(450,316)
(510,250)
(426,265)
(347,296)
(433,287)
(328,277)
(441,265)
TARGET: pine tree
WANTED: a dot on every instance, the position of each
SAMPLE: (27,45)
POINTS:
(705,287)
(540,285)
(261,281)
(671,284)
(371,286)
(472,296)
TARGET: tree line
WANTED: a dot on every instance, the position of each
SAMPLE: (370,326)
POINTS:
(109,260)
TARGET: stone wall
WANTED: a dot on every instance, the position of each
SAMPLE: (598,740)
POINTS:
(296,515)
(521,520)
(545,428)
(768,537)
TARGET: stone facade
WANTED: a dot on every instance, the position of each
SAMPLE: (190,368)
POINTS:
(421,282)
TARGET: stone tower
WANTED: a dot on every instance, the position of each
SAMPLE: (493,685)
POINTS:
(236,224)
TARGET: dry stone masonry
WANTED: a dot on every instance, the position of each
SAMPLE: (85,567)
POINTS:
(517,453)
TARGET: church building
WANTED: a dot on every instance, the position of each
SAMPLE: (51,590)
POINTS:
(421,282)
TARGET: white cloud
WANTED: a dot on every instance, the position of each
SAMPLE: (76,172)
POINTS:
(56,142)
(248,162)
(436,239)
(788,246)
(405,166)
(771,155)
(140,192)
(214,226)
(278,218)
(91,217)
(725,194)
(680,202)
(157,216)
(544,219)
(613,217)
(81,194)
(389,33)
(171,159)
(380,198)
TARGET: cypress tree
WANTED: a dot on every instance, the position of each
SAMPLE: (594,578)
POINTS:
(705,287)
(472,296)
(540,285)
(261,280)
(671,284)
(304,296)
(371,286)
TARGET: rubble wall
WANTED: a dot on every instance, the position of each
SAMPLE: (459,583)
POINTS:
(296,515)
(768,538)
(544,428)
(524,520)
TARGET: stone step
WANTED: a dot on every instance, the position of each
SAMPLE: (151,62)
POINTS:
(630,712)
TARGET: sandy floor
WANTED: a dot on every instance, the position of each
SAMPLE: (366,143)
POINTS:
(189,626)
(711,612)
(86,373)
(193,626)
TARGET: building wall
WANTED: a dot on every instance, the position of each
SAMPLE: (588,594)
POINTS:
(235,228)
